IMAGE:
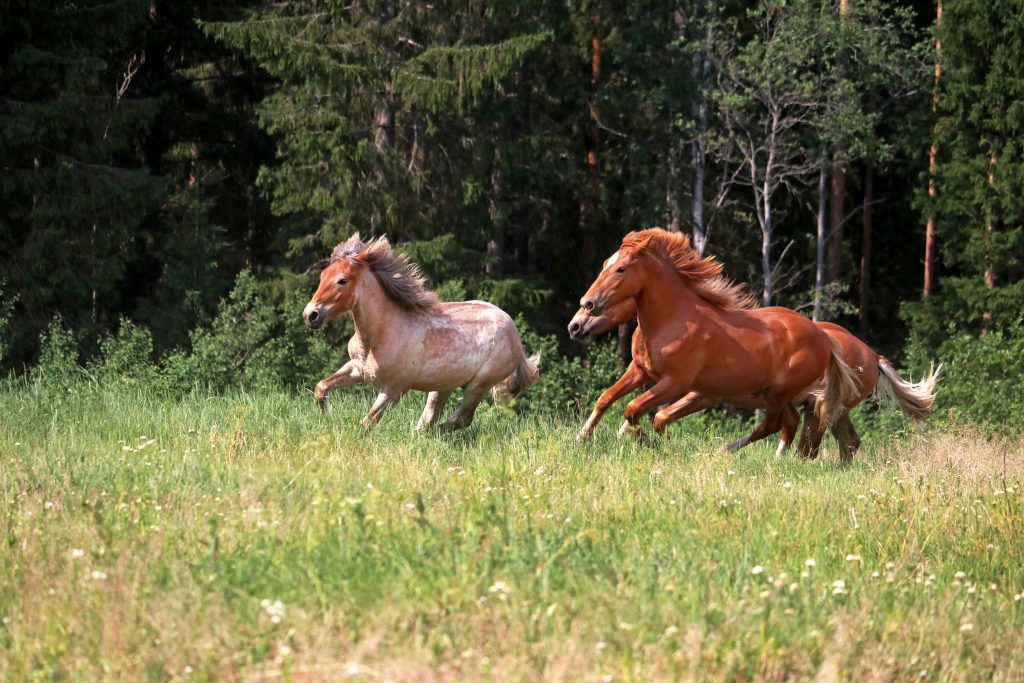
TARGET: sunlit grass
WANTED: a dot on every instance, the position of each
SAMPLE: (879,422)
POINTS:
(248,536)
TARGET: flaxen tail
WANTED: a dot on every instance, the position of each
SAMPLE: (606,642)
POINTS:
(913,398)
(840,389)
(519,381)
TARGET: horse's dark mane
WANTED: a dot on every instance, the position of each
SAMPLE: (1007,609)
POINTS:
(401,279)
(703,274)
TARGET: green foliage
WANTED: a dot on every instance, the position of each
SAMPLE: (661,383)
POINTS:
(6,305)
(981,377)
(126,358)
(251,343)
(57,368)
(567,385)
(979,207)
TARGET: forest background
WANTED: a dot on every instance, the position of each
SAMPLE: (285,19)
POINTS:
(174,173)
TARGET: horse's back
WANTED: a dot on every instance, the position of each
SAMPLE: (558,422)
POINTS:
(861,358)
(466,340)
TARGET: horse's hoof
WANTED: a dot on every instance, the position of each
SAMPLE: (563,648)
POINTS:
(582,436)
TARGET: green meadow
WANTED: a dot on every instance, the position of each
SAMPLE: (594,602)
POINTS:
(248,537)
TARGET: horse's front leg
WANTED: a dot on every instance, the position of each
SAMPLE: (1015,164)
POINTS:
(693,402)
(667,390)
(631,379)
(385,399)
(432,411)
(351,373)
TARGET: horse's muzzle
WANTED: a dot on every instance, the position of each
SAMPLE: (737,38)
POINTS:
(594,305)
(314,316)
(579,328)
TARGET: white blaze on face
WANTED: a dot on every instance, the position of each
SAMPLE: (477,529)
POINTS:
(611,261)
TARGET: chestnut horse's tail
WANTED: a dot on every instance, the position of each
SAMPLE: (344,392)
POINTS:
(913,398)
(840,389)
(519,381)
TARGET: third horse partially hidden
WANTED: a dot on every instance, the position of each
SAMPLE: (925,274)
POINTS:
(702,333)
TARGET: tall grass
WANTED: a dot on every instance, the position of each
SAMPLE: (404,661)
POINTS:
(248,537)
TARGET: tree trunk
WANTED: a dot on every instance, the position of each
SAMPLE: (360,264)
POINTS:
(766,259)
(838,199)
(588,207)
(990,269)
(767,228)
(384,135)
(929,233)
(836,216)
(496,242)
(701,67)
(866,229)
(819,261)
(673,194)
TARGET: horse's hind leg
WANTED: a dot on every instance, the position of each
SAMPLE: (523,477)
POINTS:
(463,415)
(773,421)
(432,411)
(847,437)
(812,433)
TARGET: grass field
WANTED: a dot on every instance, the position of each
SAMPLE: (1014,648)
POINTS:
(248,537)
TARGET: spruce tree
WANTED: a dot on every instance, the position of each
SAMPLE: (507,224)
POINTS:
(74,190)
(979,207)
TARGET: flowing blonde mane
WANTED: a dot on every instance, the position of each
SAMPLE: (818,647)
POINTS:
(401,279)
(703,274)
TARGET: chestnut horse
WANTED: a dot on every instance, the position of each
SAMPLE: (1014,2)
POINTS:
(702,333)
(407,339)
(914,399)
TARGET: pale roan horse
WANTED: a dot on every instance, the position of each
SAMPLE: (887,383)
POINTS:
(406,338)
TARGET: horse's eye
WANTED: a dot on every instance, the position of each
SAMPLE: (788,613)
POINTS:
(341,282)
(620,270)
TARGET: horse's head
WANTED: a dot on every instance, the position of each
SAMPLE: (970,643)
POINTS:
(583,327)
(621,278)
(338,282)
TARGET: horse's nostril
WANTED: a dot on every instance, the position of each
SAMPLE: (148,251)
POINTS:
(574,328)
(588,305)
(313,315)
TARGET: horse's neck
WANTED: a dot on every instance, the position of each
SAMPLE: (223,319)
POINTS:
(666,298)
(374,313)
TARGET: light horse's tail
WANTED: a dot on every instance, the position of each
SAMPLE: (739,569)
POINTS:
(519,381)
(913,398)
(840,389)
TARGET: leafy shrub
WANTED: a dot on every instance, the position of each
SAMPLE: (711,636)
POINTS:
(252,343)
(981,376)
(126,358)
(566,383)
(6,306)
(58,366)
